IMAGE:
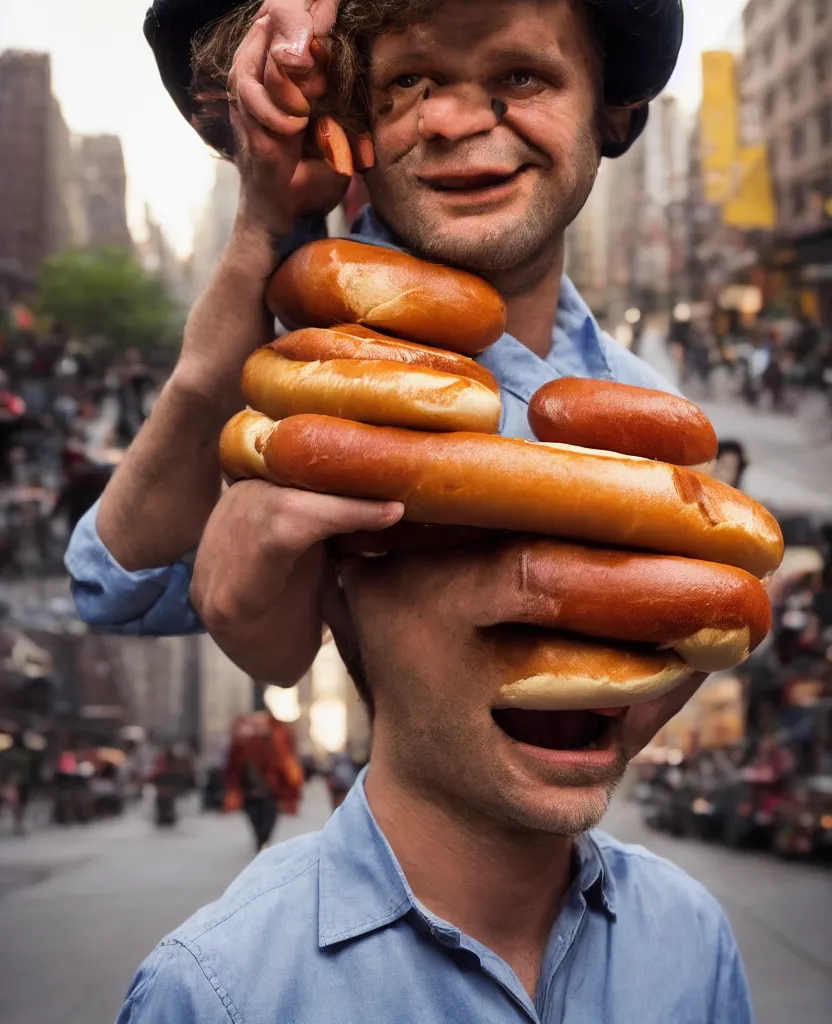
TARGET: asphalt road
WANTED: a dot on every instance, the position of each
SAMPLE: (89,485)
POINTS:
(80,909)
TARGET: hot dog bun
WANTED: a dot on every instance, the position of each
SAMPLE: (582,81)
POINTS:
(500,483)
(620,418)
(242,443)
(355,342)
(340,282)
(563,673)
(369,391)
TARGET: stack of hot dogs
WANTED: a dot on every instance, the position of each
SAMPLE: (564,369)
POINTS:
(642,569)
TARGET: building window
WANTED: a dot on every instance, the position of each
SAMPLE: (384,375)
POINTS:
(793,26)
(797,142)
(768,51)
(825,124)
(821,11)
(770,103)
(821,62)
(793,85)
(798,199)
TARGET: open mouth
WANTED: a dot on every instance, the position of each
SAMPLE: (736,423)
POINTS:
(473,183)
(559,730)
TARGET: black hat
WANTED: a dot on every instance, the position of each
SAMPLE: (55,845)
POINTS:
(643,38)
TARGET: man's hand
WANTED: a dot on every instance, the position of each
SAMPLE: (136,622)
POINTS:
(258,579)
(278,75)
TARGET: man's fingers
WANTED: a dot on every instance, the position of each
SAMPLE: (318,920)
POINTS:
(253,97)
(306,519)
(323,13)
(285,94)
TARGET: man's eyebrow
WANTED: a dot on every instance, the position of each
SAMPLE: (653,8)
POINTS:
(527,55)
(381,67)
(516,55)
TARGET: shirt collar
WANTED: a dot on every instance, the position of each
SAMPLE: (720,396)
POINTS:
(575,326)
(362,887)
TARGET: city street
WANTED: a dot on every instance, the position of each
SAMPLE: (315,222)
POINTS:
(80,909)
(790,456)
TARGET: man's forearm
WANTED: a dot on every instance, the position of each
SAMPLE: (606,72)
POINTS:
(155,508)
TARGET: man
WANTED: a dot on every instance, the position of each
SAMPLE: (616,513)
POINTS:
(458,882)
(131,557)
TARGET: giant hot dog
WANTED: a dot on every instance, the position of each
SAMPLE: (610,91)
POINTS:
(339,282)
(371,379)
(606,628)
(501,483)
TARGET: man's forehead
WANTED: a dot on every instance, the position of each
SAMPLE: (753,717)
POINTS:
(496,29)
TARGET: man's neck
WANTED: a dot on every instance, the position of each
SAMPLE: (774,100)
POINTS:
(531,292)
(503,888)
(531,296)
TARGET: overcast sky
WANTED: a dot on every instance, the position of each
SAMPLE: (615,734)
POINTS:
(106,80)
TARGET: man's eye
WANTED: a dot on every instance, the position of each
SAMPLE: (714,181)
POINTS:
(522,79)
(407,81)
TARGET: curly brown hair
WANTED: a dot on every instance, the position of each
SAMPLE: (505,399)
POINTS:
(358,24)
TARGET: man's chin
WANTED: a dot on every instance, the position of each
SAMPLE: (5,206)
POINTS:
(563,802)
(489,244)
(562,810)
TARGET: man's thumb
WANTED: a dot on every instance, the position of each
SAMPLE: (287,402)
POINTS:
(291,30)
(360,516)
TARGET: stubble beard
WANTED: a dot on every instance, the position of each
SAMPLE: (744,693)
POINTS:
(514,257)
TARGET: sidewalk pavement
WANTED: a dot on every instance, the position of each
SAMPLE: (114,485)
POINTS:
(80,908)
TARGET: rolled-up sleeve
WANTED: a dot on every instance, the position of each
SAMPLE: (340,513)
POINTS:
(151,602)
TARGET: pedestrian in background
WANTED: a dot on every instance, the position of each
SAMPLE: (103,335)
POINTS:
(264,775)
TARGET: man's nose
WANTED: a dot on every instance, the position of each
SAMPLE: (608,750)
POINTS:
(455,112)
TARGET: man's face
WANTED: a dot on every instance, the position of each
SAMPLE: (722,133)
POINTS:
(485,124)
(436,674)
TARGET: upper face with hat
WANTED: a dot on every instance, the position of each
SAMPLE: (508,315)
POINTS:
(489,118)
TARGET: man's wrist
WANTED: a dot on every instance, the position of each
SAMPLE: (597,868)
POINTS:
(257,239)
(206,401)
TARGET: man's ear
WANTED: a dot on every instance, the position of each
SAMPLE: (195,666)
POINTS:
(336,609)
(621,126)
(616,123)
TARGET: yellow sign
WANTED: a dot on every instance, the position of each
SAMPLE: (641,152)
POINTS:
(719,123)
(749,203)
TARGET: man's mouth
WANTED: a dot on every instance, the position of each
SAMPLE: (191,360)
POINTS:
(473,182)
(560,730)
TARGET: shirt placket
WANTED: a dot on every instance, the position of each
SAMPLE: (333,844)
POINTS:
(566,933)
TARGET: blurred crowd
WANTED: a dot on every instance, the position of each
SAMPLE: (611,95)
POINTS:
(67,411)
(779,363)
(771,783)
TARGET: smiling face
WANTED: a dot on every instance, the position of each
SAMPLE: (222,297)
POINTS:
(439,680)
(486,131)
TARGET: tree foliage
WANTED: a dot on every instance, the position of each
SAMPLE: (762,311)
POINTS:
(107,293)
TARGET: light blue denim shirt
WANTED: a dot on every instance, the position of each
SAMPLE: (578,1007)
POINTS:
(325,929)
(155,602)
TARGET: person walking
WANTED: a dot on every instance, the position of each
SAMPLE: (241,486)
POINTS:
(263,776)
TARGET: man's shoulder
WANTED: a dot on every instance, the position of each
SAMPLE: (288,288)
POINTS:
(628,368)
(229,961)
(646,882)
(281,883)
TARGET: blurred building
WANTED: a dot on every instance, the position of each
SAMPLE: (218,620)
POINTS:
(787,79)
(56,190)
(588,258)
(158,256)
(214,227)
(101,183)
(37,216)
(629,246)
